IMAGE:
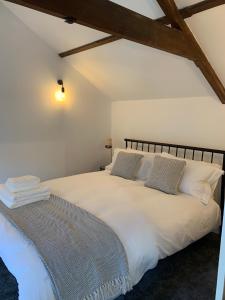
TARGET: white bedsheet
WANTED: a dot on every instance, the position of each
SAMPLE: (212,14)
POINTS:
(150,224)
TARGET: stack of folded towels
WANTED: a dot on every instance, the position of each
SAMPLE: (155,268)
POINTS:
(23,190)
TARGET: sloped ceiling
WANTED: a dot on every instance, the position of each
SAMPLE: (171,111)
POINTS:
(124,70)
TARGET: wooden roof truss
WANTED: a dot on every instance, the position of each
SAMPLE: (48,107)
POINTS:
(122,23)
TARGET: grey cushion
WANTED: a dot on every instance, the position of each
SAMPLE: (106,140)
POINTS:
(126,165)
(166,174)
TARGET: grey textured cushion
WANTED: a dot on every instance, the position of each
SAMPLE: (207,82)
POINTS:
(166,174)
(126,165)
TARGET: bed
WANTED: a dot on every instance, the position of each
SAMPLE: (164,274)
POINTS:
(150,224)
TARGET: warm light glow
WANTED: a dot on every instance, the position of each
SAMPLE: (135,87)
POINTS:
(60,96)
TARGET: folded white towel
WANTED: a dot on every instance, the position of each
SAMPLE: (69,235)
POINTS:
(21,196)
(22,203)
(23,183)
(13,200)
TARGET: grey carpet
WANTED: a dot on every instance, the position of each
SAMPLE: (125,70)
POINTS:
(8,284)
(188,275)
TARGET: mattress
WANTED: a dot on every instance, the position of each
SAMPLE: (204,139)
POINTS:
(150,224)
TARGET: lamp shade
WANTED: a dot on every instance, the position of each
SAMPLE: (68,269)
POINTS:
(108,144)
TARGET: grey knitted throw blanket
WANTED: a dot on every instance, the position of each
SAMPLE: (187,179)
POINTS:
(83,256)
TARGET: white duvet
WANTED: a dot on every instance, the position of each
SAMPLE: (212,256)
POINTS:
(150,224)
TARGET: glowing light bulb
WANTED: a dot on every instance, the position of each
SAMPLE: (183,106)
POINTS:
(60,96)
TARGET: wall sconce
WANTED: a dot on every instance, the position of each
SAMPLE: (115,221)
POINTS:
(60,94)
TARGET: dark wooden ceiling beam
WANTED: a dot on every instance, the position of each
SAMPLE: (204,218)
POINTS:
(114,19)
(171,11)
(106,40)
(193,9)
(186,12)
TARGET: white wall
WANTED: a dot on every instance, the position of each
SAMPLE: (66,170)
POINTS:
(37,135)
(188,121)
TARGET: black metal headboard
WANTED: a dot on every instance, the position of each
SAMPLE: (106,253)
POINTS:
(187,152)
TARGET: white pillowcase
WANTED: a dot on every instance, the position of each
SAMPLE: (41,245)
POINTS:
(202,190)
(145,167)
(200,178)
(146,162)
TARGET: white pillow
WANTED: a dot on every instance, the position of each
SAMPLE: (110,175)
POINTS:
(200,178)
(115,153)
(202,190)
(146,162)
(145,167)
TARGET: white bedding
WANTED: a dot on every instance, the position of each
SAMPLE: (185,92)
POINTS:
(150,224)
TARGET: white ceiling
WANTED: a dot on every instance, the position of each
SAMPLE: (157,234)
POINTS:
(125,70)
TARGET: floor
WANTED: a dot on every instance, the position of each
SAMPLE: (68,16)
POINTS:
(188,275)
